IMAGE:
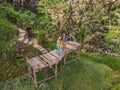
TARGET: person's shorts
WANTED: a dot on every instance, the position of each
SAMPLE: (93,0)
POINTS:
(64,44)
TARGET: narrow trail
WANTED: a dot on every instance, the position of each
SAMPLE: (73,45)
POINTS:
(22,37)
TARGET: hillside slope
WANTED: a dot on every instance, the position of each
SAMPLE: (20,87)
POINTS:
(80,75)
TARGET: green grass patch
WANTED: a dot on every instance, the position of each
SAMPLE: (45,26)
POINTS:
(113,62)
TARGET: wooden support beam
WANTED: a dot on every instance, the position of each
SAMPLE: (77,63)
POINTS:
(61,65)
(46,79)
(29,70)
(34,77)
(55,71)
(65,60)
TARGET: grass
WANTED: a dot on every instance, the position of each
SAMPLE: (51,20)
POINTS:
(79,75)
(113,62)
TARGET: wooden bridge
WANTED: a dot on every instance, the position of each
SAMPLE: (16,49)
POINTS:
(49,60)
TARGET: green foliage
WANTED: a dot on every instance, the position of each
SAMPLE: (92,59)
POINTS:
(41,37)
(44,40)
(113,33)
(7,36)
(81,35)
(113,62)
(52,45)
(21,19)
(118,10)
(116,87)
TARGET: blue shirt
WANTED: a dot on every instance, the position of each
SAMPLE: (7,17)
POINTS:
(64,39)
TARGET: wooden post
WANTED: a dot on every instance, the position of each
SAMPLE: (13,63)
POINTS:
(64,59)
(56,70)
(34,77)
(61,65)
(45,72)
(29,70)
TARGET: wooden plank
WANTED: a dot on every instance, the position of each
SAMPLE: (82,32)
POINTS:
(54,52)
(42,50)
(74,47)
(45,51)
(31,64)
(39,64)
(70,47)
(50,58)
(34,64)
(54,58)
(54,55)
(42,61)
(68,51)
(75,43)
(48,62)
